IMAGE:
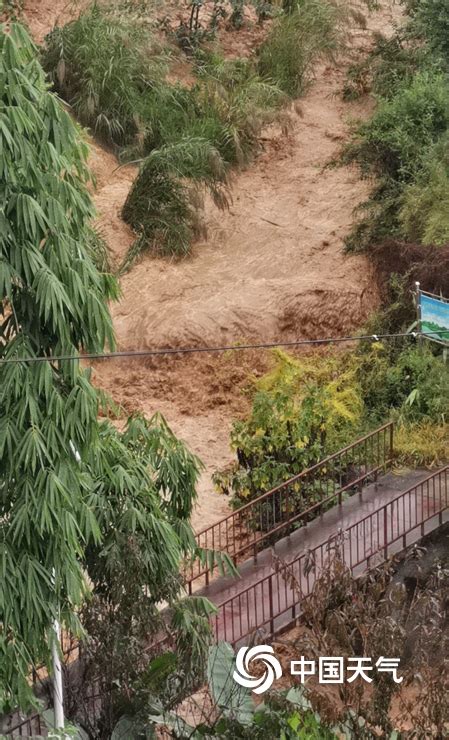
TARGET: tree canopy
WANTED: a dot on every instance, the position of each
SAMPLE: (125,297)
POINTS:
(76,496)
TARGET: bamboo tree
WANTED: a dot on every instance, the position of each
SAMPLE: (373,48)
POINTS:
(76,497)
(53,302)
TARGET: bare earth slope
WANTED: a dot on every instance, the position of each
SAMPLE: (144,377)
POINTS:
(273,266)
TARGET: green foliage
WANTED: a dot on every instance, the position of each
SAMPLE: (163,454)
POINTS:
(103,65)
(227,107)
(394,142)
(97,250)
(416,382)
(110,70)
(390,64)
(145,483)
(393,146)
(52,302)
(234,701)
(430,21)
(305,410)
(10,9)
(410,384)
(144,489)
(162,205)
(424,214)
(301,411)
(313,30)
(422,444)
(193,136)
(235,103)
(285,715)
(85,511)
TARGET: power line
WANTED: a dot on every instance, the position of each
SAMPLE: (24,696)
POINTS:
(213,350)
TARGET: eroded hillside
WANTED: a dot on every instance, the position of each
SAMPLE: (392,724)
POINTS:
(273,266)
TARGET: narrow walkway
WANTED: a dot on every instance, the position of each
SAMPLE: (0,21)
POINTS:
(267,596)
(287,549)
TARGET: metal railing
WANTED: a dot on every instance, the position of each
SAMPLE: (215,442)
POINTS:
(274,602)
(14,725)
(277,512)
(28,727)
(34,724)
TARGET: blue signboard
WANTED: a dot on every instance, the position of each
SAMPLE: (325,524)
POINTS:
(434,318)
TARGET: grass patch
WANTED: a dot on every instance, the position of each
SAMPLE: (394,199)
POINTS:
(103,64)
(313,30)
(163,203)
(424,212)
(422,444)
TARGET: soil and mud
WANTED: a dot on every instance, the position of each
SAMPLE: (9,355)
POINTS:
(273,267)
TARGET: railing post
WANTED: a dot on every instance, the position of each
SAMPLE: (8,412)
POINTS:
(270,598)
(391,440)
(385,533)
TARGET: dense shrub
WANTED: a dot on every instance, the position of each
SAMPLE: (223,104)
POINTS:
(395,141)
(191,138)
(301,410)
(162,205)
(394,146)
(430,20)
(404,145)
(424,214)
(227,106)
(313,30)
(391,63)
(234,103)
(108,67)
(103,65)
(412,383)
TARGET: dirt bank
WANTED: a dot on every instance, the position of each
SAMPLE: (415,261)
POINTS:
(42,15)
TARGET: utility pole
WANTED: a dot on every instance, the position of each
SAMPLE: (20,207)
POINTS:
(418,310)
(58,705)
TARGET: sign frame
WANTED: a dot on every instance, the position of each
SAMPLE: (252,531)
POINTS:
(439,302)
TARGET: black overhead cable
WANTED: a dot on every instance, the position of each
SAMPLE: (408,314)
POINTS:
(197,350)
